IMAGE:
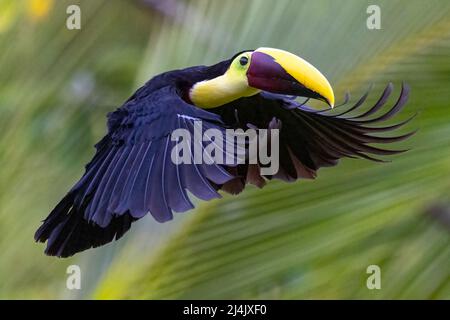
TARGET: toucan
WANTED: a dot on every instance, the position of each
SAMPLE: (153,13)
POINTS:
(132,174)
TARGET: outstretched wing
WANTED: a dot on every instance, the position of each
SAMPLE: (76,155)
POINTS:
(132,174)
(310,139)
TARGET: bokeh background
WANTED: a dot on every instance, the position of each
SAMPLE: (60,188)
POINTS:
(311,239)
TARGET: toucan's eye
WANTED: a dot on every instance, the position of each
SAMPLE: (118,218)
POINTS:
(243,61)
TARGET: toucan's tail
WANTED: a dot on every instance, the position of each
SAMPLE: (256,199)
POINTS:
(68,233)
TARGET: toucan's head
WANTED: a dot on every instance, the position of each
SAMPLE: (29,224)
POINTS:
(267,69)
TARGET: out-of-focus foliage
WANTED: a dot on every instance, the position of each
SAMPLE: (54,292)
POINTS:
(312,239)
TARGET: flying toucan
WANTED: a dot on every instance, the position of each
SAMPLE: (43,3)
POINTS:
(132,173)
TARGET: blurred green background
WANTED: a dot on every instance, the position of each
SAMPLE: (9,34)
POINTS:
(311,239)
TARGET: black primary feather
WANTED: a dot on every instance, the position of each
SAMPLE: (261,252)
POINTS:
(317,139)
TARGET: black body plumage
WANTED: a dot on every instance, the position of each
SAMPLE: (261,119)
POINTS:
(131,173)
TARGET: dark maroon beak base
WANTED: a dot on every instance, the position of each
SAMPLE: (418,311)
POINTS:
(266,74)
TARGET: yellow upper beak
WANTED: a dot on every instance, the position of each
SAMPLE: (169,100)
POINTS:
(303,72)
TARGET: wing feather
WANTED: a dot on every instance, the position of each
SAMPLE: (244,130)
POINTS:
(317,139)
(132,174)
